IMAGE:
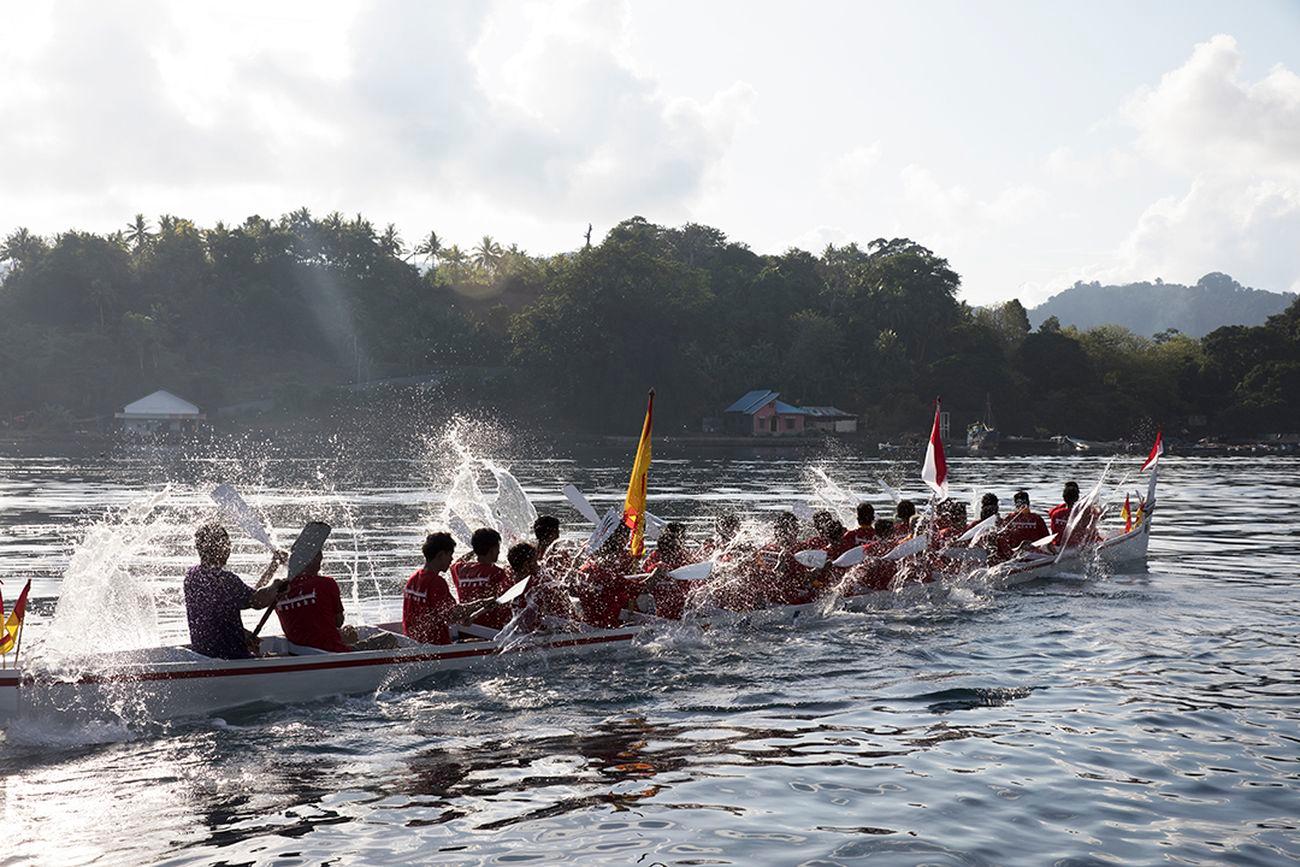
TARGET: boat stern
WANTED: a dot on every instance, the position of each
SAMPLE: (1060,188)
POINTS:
(11,680)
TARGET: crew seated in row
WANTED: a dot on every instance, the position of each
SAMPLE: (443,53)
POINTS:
(309,604)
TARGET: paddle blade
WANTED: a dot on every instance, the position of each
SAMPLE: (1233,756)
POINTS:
(977,531)
(889,490)
(812,558)
(914,545)
(851,557)
(581,503)
(309,543)
(604,529)
(516,590)
(236,509)
(693,572)
(1046,540)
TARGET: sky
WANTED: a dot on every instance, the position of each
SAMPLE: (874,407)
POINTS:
(1032,144)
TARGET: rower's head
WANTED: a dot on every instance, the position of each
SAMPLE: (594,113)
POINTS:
(835,531)
(945,512)
(213,544)
(988,506)
(522,559)
(312,568)
(486,544)
(904,511)
(866,514)
(884,526)
(821,521)
(786,529)
(1021,499)
(438,550)
(617,543)
(672,540)
(1070,494)
(546,529)
(960,513)
(727,526)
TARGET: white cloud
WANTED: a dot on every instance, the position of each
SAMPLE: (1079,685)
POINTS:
(851,172)
(171,107)
(1202,117)
(1237,145)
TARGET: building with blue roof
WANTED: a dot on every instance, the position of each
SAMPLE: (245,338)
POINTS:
(761,412)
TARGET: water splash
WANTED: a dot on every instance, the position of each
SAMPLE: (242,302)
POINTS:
(104,603)
(505,507)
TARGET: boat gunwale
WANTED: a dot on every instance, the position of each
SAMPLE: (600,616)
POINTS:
(174,670)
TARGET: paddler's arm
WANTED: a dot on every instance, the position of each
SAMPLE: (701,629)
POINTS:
(277,558)
(265,597)
(467,611)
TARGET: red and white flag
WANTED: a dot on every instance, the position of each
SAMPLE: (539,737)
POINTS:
(935,470)
(1156,451)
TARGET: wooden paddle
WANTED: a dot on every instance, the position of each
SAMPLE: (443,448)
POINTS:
(310,542)
(236,509)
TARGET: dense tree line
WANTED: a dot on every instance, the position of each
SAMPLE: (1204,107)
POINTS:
(88,322)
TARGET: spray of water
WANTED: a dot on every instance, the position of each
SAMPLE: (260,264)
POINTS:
(106,603)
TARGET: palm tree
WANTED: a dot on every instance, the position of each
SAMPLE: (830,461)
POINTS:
(487,254)
(21,247)
(429,248)
(453,255)
(137,232)
(391,242)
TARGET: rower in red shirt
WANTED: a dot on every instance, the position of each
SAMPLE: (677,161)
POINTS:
(903,514)
(482,578)
(1059,518)
(671,552)
(1021,526)
(310,610)
(820,539)
(428,606)
(863,532)
(604,590)
(726,527)
(783,581)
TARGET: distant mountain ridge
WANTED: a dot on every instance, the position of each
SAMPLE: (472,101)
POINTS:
(1149,308)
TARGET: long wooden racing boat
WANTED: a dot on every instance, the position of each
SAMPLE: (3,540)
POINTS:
(169,682)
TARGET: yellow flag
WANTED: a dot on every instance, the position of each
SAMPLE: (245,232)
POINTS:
(634,503)
(13,625)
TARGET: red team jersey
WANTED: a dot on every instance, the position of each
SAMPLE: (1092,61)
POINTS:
(1019,527)
(476,581)
(426,602)
(604,592)
(858,536)
(309,613)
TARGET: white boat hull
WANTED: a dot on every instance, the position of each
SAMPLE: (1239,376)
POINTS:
(172,682)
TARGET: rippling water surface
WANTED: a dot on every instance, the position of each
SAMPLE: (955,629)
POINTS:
(1110,719)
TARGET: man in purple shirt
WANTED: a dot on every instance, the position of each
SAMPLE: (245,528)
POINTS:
(214,596)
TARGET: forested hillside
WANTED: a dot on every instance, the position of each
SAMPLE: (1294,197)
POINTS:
(229,313)
(1150,308)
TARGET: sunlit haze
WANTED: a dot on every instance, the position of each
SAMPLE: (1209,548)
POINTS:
(1030,145)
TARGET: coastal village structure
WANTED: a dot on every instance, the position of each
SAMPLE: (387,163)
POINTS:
(762,413)
(160,412)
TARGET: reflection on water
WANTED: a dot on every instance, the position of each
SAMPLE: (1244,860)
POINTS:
(1122,718)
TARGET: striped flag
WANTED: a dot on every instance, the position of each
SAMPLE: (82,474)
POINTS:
(934,472)
(634,503)
(1156,451)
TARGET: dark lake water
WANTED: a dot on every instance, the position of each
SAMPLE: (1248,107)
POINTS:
(1127,719)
